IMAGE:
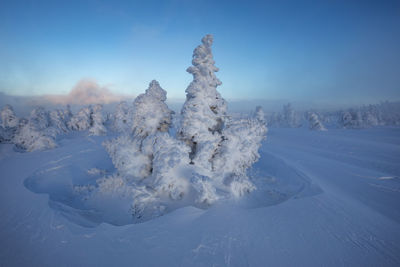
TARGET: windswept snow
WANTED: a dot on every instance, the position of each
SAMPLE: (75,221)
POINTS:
(320,200)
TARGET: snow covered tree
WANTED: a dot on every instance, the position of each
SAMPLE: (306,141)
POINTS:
(36,133)
(221,148)
(289,116)
(314,122)
(81,121)
(239,151)
(97,121)
(169,157)
(351,119)
(151,113)
(9,124)
(132,155)
(204,112)
(122,118)
(57,120)
(8,117)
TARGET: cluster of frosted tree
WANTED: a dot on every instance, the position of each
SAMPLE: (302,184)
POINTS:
(287,118)
(40,130)
(383,114)
(204,161)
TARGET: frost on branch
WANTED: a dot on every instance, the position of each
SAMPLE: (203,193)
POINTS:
(204,112)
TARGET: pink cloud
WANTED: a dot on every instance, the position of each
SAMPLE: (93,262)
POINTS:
(86,92)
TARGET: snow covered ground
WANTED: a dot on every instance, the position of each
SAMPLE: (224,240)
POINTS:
(324,198)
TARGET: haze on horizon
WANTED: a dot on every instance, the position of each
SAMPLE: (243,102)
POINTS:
(319,51)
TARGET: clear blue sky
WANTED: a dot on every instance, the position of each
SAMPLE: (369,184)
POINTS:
(343,51)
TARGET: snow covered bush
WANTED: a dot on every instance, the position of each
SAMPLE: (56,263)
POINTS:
(9,124)
(314,122)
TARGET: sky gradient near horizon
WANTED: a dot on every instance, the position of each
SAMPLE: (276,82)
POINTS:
(338,51)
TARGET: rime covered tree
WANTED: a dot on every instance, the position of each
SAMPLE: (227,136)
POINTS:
(9,124)
(97,121)
(204,112)
(151,113)
(36,133)
(314,122)
(289,116)
(239,150)
(122,118)
(132,154)
(81,121)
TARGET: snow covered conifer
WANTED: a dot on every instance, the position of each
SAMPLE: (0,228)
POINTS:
(8,117)
(151,113)
(57,120)
(81,121)
(132,155)
(36,134)
(9,124)
(122,118)
(314,122)
(289,116)
(97,121)
(239,151)
(204,112)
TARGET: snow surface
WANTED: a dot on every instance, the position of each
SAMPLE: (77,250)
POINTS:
(323,198)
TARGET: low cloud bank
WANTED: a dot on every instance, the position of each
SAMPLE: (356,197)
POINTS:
(86,92)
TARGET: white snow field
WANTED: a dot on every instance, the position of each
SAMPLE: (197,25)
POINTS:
(323,198)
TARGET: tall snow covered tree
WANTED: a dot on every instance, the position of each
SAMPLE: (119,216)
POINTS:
(204,112)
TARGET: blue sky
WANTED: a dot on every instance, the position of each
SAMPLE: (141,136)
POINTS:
(328,51)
